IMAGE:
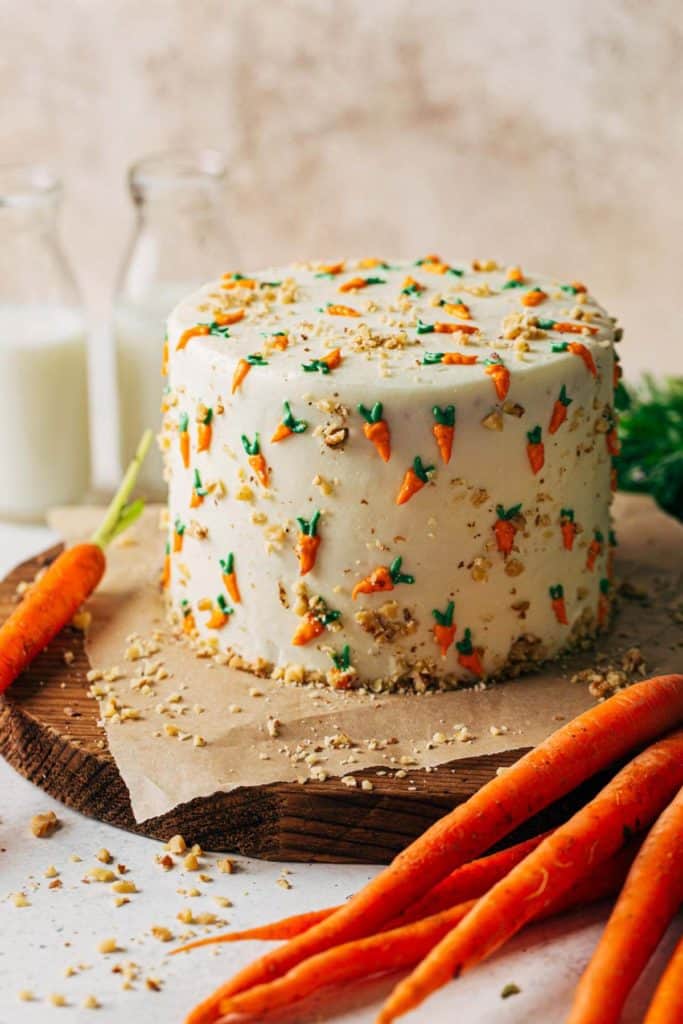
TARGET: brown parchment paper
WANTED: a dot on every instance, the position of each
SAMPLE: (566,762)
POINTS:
(162,771)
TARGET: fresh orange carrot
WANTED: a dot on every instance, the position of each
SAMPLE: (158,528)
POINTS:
(200,331)
(444,628)
(220,614)
(574,753)
(448,359)
(382,579)
(652,894)
(559,413)
(467,882)
(178,536)
(256,459)
(308,542)
(184,438)
(594,550)
(189,624)
(313,624)
(376,429)
(199,492)
(205,431)
(52,601)
(446,328)
(534,297)
(355,284)
(289,425)
(397,947)
(577,348)
(414,480)
(499,374)
(506,526)
(444,430)
(633,798)
(558,605)
(230,577)
(535,450)
(469,656)
(568,528)
(166,571)
(667,1003)
(602,614)
(334,309)
(459,309)
(244,366)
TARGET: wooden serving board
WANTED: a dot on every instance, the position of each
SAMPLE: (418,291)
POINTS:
(50,734)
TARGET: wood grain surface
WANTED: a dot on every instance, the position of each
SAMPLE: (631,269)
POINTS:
(50,734)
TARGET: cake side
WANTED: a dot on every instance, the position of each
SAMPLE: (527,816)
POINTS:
(389,473)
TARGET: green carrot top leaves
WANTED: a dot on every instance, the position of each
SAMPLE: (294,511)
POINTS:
(296,426)
(444,618)
(251,447)
(445,416)
(373,415)
(342,659)
(120,515)
(309,526)
(395,572)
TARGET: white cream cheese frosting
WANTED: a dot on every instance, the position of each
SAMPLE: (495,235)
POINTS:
(388,473)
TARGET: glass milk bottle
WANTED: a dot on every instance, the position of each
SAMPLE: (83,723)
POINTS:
(44,451)
(179,243)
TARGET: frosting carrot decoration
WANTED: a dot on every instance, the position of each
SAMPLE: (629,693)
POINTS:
(611,437)
(444,430)
(594,550)
(414,480)
(535,449)
(280,340)
(376,429)
(433,264)
(256,459)
(198,491)
(205,431)
(343,672)
(557,602)
(314,623)
(230,281)
(577,348)
(184,438)
(559,413)
(308,542)
(218,326)
(566,327)
(334,309)
(505,527)
(443,328)
(166,571)
(495,368)
(288,425)
(457,308)
(368,262)
(444,628)
(603,603)
(229,577)
(468,655)
(448,359)
(330,269)
(574,288)
(514,278)
(189,624)
(412,287)
(244,366)
(613,543)
(325,365)
(382,579)
(534,297)
(220,613)
(164,359)
(178,535)
(354,284)
(568,528)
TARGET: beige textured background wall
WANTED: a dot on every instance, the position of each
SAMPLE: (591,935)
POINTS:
(533,130)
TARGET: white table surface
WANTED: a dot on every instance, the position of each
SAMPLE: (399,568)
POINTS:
(63,927)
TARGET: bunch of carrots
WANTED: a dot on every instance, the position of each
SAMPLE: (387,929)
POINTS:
(441,907)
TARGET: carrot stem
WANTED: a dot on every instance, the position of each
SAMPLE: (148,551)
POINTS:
(120,515)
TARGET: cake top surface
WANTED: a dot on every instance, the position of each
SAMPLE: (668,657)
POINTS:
(399,321)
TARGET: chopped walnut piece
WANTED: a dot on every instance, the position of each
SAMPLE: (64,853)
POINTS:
(45,824)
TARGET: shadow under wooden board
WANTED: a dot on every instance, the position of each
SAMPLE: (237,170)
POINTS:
(50,735)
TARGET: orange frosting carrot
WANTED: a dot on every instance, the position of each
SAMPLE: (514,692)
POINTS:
(558,605)
(376,429)
(559,413)
(444,430)
(256,459)
(534,297)
(308,542)
(381,579)
(184,439)
(535,450)
(499,374)
(229,577)
(444,628)
(205,431)
(414,480)
(505,527)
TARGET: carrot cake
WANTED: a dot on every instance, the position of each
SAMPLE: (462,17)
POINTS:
(389,474)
